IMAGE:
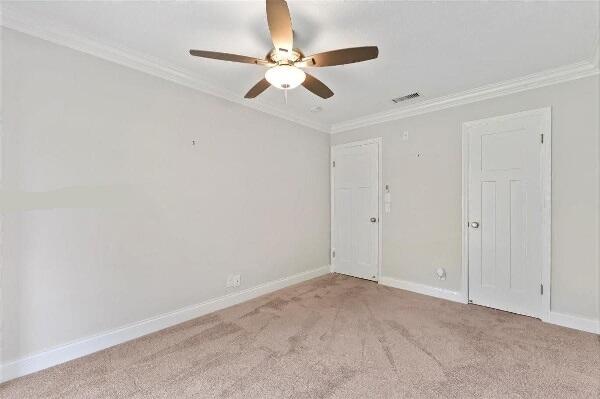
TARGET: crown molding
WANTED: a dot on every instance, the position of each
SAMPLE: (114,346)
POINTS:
(65,36)
(528,82)
(48,30)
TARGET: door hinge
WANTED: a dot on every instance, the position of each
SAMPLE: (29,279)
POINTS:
(542,138)
(333,253)
(541,289)
(333,164)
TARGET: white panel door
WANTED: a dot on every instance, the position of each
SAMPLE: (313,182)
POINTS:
(355,239)
(505,207)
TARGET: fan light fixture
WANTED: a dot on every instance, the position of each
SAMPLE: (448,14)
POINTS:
(285,60)
(285,76)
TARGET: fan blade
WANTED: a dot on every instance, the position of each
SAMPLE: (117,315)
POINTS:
(228,57)
(280,25)
(342,56)
(317,87)
(258,88)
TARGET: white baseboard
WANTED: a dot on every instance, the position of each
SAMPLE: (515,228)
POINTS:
(561,319)
(575,322)
(437,292)
(107,339)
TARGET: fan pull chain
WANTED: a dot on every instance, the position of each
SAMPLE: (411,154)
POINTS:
(285,95)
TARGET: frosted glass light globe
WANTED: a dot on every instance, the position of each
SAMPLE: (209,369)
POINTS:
(285,76)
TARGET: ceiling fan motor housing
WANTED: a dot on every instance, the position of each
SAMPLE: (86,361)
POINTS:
(283,57)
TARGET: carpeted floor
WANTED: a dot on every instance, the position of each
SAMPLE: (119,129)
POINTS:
(336,337)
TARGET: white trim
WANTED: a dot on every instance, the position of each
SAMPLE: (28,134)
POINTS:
(442,293)
(331,201)
(546,177)
(560,319)
(574,322)
(1,213)
(380,206)
(464,288)
(379,142)
(51,31)
(359,142)
(546,182)
(540,79)
(62,35)
(117,336)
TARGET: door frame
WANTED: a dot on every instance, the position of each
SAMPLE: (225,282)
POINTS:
(546,189)
(379,142)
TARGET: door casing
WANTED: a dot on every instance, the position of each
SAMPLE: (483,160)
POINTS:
(379,142)
(546,187)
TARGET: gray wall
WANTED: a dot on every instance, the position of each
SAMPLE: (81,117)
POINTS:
(112,216)
(423,231)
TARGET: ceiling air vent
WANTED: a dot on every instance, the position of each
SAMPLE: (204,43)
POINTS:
(406,97)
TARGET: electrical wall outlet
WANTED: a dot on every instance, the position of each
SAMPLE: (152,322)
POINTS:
(233,280)
(441,273)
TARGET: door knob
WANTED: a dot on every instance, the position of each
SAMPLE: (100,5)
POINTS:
(475,225)
(373,220)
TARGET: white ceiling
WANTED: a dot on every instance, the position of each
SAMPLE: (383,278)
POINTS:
(435,48)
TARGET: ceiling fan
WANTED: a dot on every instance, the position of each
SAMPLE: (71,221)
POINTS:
(284,60)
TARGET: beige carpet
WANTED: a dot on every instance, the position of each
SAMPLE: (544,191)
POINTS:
(337,337)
